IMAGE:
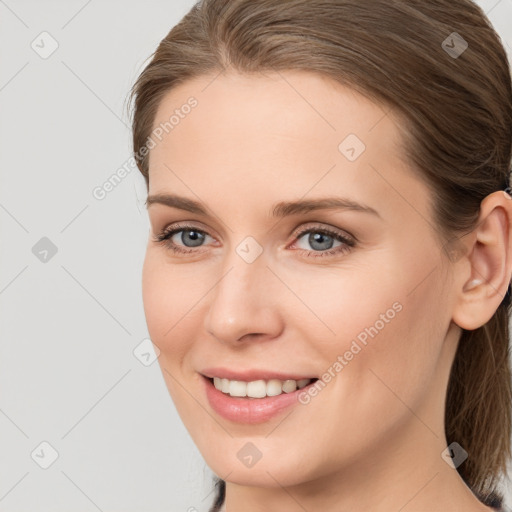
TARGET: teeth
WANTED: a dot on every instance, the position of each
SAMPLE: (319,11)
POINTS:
(258,388)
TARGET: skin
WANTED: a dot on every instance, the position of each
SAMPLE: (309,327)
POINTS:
(372,438)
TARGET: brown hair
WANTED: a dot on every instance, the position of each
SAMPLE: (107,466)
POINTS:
(457,131)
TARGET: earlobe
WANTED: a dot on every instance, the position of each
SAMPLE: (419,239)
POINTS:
(484,282)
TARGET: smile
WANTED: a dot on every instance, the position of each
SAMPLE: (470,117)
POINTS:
(253,409)
(258,388)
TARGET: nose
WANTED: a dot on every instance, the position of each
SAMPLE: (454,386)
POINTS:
(244,304)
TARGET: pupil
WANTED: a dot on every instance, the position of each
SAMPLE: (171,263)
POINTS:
(194,236)
(321,238)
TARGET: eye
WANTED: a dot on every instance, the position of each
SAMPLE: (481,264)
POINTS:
(189,236)
(323,242)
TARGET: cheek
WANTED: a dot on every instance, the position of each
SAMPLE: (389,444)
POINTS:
(379,380)
(394,367)
(168,299)
(340,305)
(156,297)
(170,296)
(385,336)
(167,307)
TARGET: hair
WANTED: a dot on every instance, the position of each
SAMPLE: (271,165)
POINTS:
(456,115)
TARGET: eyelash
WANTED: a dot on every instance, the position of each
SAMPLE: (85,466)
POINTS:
(167,233)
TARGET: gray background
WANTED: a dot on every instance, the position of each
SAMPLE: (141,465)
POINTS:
(70,325)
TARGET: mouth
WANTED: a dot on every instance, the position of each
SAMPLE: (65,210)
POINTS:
(258,389)
(253,409)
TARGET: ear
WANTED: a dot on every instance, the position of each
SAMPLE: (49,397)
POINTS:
(483,274)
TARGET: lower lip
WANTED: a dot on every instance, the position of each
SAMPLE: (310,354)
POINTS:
(250,410)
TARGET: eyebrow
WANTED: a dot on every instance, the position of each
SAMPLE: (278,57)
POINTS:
(281,209)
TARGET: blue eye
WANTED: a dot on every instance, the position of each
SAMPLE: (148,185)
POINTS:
(322,240)
(319,240)
(190,236)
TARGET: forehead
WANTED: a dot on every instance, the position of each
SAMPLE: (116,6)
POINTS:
(289,133)
(254,109)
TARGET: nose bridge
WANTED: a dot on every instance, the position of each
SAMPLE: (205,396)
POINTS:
(244,272)
(240,301)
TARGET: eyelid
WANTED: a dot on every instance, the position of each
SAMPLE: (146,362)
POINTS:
(297,232)
(170,230)
(183,225)
(308,226)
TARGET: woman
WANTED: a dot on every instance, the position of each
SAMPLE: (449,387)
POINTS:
(330,249)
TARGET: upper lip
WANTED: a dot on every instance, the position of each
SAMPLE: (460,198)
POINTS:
(251,374)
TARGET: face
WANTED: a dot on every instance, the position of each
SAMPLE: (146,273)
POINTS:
(250,286)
